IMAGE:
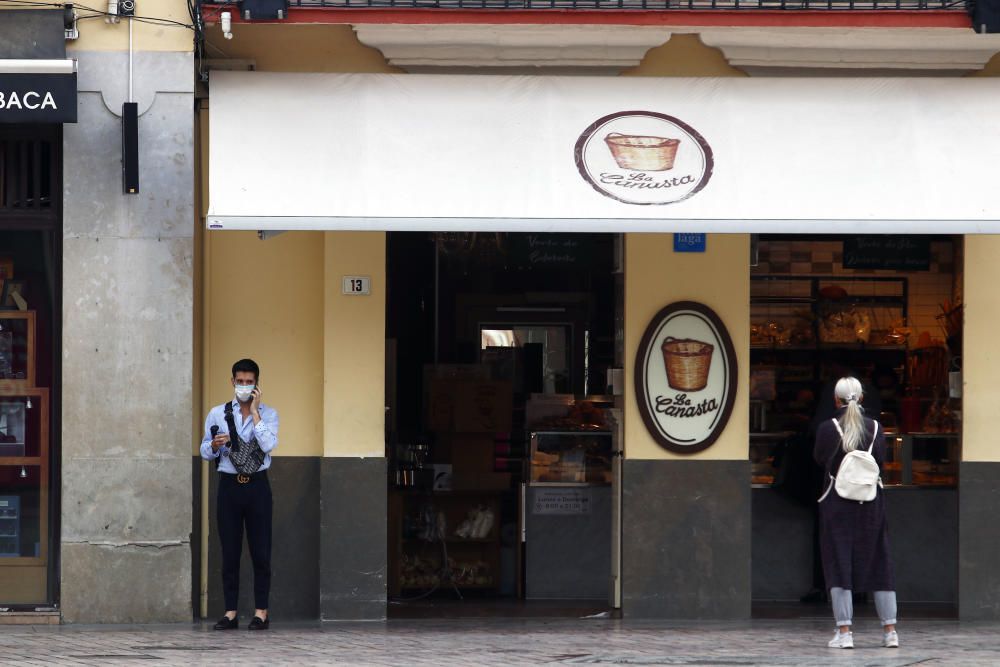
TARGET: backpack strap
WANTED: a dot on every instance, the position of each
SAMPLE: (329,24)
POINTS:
(874,435)
(234,436)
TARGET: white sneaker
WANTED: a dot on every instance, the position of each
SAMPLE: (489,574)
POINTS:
(842,640)
(890,640)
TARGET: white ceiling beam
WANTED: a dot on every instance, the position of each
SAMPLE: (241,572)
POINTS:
(609,49)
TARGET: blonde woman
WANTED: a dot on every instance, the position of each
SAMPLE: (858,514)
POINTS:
(854,537)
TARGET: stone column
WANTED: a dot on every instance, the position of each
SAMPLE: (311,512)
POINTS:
(127,346)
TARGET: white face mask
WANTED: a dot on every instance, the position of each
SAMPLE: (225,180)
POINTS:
(243,393)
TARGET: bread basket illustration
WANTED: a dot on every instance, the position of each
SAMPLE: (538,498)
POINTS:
(688,362)
(642,153)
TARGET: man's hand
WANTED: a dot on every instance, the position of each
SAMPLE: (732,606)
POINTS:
(255,402)
(219,440)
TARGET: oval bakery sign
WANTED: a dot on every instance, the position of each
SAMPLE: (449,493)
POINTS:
(685,377)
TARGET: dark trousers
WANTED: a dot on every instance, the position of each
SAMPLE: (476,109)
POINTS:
(250,505)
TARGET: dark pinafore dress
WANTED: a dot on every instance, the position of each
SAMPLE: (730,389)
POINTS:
(854,537)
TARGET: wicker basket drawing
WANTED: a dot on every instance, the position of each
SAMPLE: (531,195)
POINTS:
(688,362)
(640,153)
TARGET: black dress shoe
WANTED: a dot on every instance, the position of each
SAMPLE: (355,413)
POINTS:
(259,624)
(225,623)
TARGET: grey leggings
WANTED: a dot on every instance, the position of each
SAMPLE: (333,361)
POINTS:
(843,606)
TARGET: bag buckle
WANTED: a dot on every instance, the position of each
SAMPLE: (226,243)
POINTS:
(242,478)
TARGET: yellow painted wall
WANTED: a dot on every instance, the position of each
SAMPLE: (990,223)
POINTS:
(992,67)
(297,48)
(96,35)
(655,276)
(684,55)
(981,354)
(264,300)
(298,326)
(354,341)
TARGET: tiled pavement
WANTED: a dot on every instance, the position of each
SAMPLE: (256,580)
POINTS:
(504,642)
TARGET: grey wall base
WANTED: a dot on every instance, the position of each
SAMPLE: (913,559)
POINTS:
(125,583)
(328,556)
(686,532)
(295,544)
(979,541)
(923,536)
(353,534)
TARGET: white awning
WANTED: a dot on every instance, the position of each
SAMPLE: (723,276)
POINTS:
(519,153)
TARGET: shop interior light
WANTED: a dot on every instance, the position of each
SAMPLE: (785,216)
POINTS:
(24,472)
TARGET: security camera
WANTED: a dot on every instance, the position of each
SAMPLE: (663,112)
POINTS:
(226,23)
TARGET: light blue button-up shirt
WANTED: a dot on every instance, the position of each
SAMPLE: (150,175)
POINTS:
(266,432)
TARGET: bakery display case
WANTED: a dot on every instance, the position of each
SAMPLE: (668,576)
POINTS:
(791,311)
(768,454)
(570,457)
(567,516)
(802,329)
(922,459)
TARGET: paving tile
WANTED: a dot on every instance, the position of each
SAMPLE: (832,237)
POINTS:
(488,642)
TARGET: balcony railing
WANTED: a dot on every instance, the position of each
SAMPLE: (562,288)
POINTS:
(649,5)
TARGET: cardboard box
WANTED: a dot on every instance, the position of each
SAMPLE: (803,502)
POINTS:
(469,406)
(483,407)
(472,457)
(440,405)
(472,454)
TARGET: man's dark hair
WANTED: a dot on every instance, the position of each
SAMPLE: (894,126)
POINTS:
(247,366)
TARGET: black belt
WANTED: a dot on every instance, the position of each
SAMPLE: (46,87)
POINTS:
(243,478)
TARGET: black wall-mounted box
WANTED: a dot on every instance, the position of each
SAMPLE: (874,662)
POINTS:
(267,10)
(985,15)
(130,148)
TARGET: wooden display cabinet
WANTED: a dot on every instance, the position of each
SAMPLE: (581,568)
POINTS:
(477,560)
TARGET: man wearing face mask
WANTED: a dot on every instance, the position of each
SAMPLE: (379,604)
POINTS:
(240,436)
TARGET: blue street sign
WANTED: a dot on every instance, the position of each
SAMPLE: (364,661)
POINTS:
(689,243)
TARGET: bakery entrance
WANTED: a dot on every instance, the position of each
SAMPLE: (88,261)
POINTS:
(887,310)
(503,423)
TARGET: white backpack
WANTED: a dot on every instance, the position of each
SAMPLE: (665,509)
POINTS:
(858,477)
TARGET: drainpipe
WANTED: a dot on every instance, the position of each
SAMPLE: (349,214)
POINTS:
(206,282)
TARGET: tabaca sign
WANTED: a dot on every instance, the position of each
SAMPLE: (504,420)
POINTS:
(686,377)
(37,98)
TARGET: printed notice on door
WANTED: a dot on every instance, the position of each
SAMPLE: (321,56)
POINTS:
(562,501)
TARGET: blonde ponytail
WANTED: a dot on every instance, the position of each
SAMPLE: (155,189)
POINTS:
(852,422)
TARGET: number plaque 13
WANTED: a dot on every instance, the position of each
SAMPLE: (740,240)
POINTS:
(357,285)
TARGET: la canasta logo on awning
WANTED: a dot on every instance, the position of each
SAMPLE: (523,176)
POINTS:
(644,158)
